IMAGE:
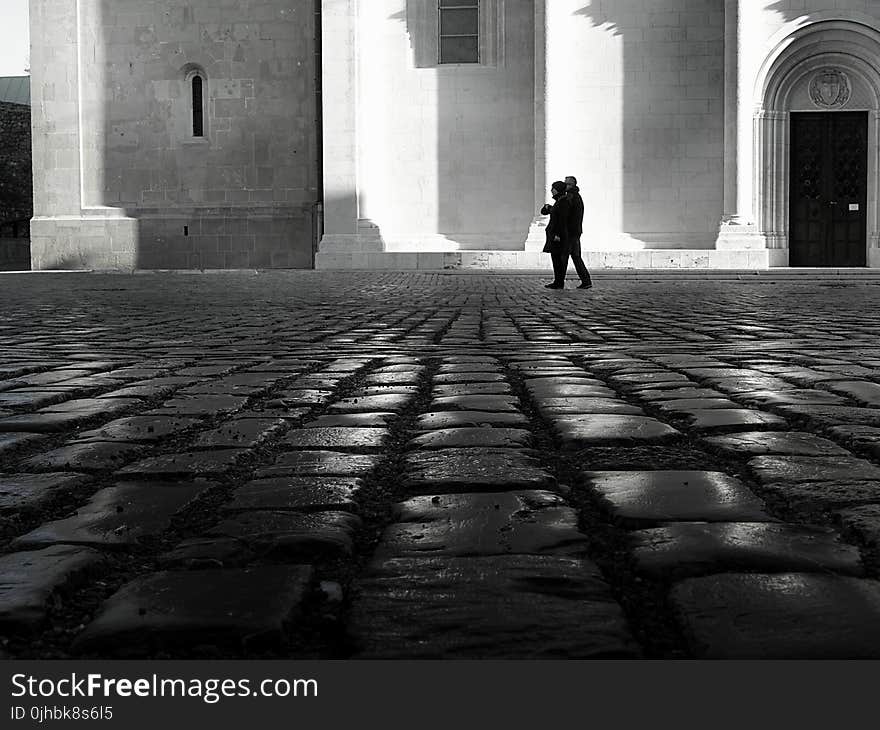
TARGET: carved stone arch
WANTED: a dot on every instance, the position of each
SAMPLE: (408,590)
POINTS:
(811,54)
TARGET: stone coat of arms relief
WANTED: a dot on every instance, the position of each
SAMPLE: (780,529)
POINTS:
(830,89)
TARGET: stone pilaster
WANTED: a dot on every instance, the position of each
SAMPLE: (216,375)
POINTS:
(344,234)
(738,230)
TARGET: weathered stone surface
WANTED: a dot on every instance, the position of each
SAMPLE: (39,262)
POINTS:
(575,405)
(471,377)
(353,420)
(295,494)
(93,407)
(142,390)
(42,422)
(464,419)
(328,534)
(30,399)
(595,429)
(187,464)
(139,428)
(89,456)
(676,496)
(167,610)
(686,405)
(863,522)
(688,549)
(818,496)
(458,470)
(570,390)
(28,580)
(410,377)
(201,405)
(513,606)
(320,463)
(706,373)
(457,389)
(856,434)
(121,515)
(812,468)
(860,390)
(731,419)
(632,381)
(460,525)
(790,397)
(338,438)
(294,398)
(393,402)
(470,367)
(486,403)
(372,391)
(748,384)
(12,442)
(472,438)
(207,552)
(686,393)
(780,616)
(245,433)
(828,416)
(790,443)
(27,492)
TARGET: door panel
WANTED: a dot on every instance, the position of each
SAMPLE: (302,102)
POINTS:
(828,189)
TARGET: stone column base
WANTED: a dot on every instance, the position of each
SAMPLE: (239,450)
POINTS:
(739,237)
(537,235)
(84,242)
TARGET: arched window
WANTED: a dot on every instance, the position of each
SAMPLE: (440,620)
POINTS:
(198,114)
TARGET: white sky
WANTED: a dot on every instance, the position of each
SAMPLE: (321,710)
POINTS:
(14,37)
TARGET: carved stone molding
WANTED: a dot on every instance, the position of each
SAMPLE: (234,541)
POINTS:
(830,89)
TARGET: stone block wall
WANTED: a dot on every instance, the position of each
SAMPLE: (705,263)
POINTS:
(123,69)
(446,152)
(16,189)
(641,100)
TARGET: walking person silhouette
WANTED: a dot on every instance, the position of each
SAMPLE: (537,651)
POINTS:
(558,233)
(573,194)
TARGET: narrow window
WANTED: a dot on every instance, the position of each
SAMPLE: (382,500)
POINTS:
(459,31)
(198,114)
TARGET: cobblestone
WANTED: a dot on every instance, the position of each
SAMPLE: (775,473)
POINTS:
(470,467)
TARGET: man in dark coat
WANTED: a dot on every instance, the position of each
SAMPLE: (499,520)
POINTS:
(573,194)
(558,231)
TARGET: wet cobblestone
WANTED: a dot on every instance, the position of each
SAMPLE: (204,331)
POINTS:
(477,466)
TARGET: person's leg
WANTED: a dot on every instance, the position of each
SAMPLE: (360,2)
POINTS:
(562,269)
(558,273)
(580,266)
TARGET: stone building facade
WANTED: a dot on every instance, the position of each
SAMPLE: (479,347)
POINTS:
(425,133)
(16,189)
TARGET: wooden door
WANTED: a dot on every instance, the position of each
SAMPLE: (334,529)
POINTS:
(828,189)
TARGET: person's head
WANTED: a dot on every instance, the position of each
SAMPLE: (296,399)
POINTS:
(557,189)
(571,181)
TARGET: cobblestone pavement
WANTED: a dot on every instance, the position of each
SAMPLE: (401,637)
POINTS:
(437,465)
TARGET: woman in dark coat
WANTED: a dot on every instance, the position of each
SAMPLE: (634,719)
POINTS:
(558,234)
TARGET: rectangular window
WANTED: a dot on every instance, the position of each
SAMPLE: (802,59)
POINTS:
(459,31)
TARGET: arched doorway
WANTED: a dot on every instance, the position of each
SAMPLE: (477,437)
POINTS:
(817,136)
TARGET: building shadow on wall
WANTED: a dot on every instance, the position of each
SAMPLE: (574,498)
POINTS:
(672,116)
(485,133)
(239,196)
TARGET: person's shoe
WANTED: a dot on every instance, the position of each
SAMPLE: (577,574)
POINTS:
(554,285)
(585,285)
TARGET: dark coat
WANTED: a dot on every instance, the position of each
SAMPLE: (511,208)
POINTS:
(577,212)
(559,227)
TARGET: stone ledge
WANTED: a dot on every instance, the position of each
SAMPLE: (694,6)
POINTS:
(652,259)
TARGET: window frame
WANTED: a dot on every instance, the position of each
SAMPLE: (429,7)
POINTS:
(191,71)
(478,34)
